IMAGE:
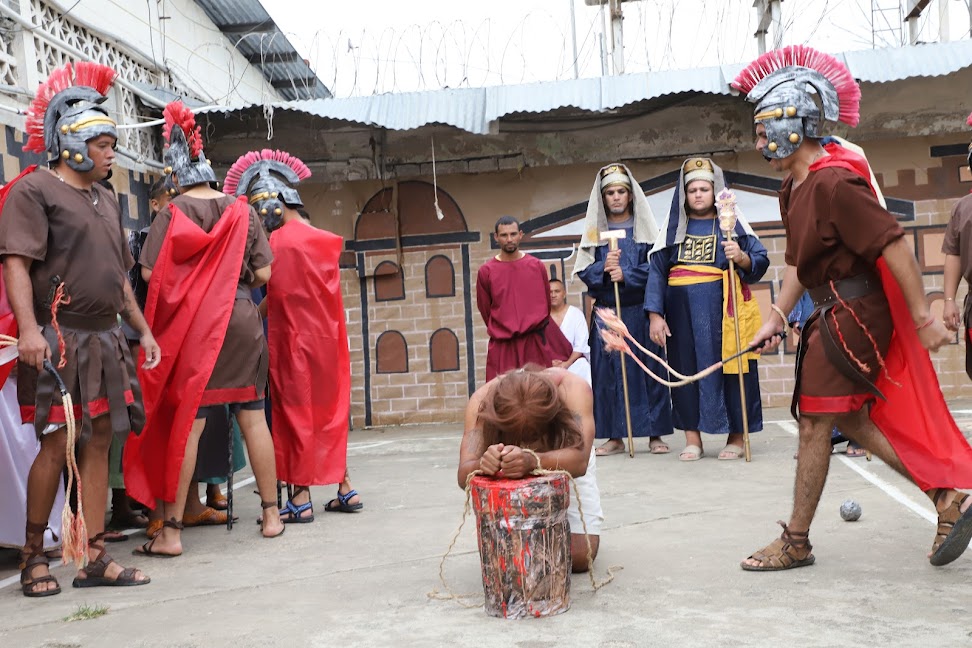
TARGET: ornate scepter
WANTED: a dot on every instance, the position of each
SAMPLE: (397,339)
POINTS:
(726,201)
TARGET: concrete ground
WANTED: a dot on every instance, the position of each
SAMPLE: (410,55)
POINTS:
(679,531)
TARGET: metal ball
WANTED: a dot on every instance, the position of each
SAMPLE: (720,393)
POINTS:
(794,138)
(78,158)
(850,511)
(277,211)
(791,111)
(65,154)
(772,147)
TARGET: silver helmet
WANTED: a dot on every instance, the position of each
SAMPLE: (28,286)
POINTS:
(795,89)
(267,177)
(184,157)
(67,113)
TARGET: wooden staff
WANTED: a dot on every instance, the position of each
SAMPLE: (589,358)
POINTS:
(612,236)
(727,223)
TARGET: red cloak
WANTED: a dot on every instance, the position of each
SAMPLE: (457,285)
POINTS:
(310,367)
(915,418)
(8,325)
(190,300)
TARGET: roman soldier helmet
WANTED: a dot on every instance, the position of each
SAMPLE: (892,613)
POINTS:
(267,177)
(183,154)
(782,84)
(67,112)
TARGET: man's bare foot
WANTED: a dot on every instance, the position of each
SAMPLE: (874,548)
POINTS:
(272,524)
(167,544)
(610,447)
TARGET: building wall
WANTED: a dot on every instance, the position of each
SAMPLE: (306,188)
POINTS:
(927,176)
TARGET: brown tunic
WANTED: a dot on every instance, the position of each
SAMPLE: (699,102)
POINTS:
(242,360)
(72,240)
(836,229)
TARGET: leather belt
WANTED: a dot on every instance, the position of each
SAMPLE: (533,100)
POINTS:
(850,288)
(78,321)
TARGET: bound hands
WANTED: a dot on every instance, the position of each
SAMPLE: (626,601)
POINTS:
(658,329)
(612,266)
(507,461)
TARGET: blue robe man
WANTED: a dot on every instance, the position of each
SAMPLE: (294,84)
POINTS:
(685,294)
(618,203)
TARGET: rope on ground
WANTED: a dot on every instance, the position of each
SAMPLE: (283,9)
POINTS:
(452,596)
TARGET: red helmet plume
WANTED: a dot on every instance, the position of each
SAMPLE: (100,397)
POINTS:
(177,115)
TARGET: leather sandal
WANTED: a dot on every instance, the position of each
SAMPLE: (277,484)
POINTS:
(218,501)
(783,553)
(146,549)
(33,556)
(95,570)
(954,530)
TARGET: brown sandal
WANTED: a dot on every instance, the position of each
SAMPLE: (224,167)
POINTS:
(94,571)
(954,530)
(33,556)
(783,553)
(146,549)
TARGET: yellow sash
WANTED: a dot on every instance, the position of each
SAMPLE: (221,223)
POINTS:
(747,313)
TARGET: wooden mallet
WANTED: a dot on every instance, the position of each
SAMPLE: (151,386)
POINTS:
(612,237)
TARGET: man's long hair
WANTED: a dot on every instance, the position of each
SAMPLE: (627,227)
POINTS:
(524,408)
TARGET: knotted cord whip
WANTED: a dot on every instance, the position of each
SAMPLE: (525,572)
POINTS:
(74,532)
(595,585)
(616,336)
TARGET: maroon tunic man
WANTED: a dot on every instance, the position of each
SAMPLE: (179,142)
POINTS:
(514,300)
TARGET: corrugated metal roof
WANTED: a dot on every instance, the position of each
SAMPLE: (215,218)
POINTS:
(256,36)
(476,110)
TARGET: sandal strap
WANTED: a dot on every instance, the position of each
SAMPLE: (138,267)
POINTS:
(97,542)
(173,523)
(30,562)
(268,505)
(347,496)
(798,539)
(96,568)
(34,539)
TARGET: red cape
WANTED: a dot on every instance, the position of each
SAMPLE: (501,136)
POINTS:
(8,325)
(915,418)
(188,308)
(310,367)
